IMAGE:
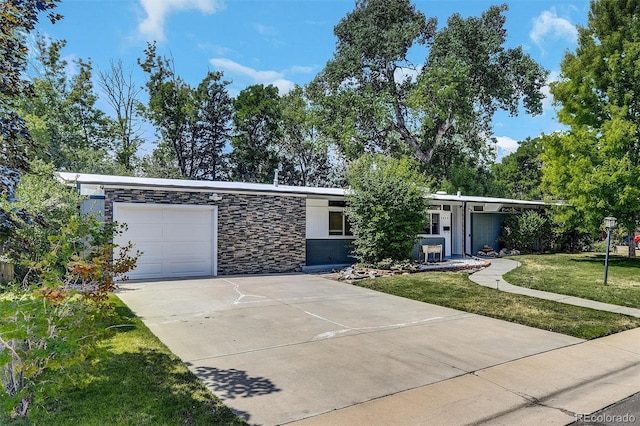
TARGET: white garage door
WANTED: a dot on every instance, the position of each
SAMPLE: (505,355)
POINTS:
(176,241)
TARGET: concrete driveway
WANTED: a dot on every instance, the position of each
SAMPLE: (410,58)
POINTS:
(282,348)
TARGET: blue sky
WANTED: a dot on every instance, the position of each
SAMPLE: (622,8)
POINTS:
(287,42)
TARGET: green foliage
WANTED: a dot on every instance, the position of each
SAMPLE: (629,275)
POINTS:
(40,336)
(595,165)
(193,123)
(304,154)
(519,174)
(50,203)
(17,20)
(570,235)
(525,231)
(386,207)
(464,174)
(82,258)
(62,116)
(161,163)
(256,123)
(51,320)
(131,378)
(371,102)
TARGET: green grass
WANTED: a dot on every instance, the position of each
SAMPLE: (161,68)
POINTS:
(455,290)
(133,379)
(581,275)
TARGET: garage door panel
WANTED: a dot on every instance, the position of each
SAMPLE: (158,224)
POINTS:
(175,241)
(188,250)
(147,270)
(177,215)
(138,215)
(144,232)
(193,268)
(150,250)
(186,232)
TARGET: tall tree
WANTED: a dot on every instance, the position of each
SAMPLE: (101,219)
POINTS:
(122,95)
(254,156)
(302,146)
(195,123)
(519,174)
(72,132)
(210,125)
(595,165)
(17,19)
(373,102)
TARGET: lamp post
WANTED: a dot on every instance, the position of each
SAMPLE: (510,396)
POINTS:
(609,223)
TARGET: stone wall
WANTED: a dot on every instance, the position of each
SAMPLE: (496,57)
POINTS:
(256,233)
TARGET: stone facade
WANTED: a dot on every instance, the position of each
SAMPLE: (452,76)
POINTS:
(256,233)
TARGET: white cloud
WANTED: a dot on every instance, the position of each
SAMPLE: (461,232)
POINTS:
(299,69)
(157,10)
(548,24)
(507,143)
(264,30)
(402,73)
(259,77)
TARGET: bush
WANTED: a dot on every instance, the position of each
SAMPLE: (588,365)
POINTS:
(386,207)
(600,247)
(52,319)
(526,232)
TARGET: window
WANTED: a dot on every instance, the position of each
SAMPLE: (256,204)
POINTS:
(432,227)
(338,224)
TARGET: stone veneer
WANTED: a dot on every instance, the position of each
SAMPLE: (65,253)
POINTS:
(256,233)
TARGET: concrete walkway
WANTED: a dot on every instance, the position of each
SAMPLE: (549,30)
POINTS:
(556,387)
(492,277)
(301,349)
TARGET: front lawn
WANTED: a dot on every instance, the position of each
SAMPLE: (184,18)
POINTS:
(455,290)
(581,275)
(133,379)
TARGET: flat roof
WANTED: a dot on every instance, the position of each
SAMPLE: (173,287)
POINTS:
(128,181)
(132,181)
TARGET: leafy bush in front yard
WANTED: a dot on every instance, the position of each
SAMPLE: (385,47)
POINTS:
(52,319)
(527,231)
(386,207)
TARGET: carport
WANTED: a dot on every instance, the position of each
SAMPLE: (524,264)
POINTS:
(280,348)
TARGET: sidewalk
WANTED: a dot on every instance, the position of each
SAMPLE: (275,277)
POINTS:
(492,277)
(556,387)
(552,388)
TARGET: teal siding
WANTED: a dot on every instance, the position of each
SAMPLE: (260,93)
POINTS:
(329,252)
(485,230)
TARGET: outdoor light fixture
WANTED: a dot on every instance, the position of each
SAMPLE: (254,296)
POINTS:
(609,223)
(215,197)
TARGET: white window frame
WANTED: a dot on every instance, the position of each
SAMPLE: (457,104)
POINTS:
(429,227)
(343,231)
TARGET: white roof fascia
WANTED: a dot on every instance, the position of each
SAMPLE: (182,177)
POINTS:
(130,182)
(197,185)
(471,199)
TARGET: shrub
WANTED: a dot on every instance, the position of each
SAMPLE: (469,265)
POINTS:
(526,232)
(51,320)
(386,207)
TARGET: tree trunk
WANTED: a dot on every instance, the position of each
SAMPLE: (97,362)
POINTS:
(632,246)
